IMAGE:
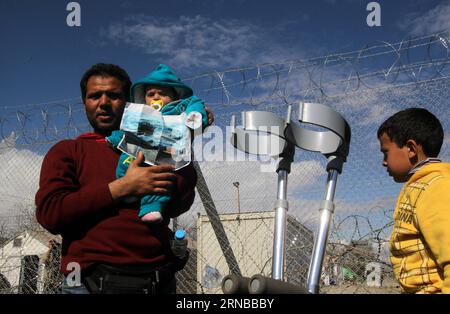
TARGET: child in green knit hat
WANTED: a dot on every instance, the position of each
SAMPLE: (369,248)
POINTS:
(163,91)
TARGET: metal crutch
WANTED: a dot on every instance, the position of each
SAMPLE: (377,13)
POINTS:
(269,141)
(258,143)
(334,144)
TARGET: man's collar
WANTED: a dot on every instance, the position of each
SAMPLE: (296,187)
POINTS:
(94,136)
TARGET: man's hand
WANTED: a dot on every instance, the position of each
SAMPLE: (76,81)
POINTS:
(139,180)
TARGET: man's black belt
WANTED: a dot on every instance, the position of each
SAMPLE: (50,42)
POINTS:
(127,279)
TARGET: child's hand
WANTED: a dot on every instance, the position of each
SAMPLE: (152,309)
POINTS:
(194,120)
(210,115)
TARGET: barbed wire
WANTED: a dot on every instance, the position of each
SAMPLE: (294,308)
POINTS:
(411,62)
(382,76)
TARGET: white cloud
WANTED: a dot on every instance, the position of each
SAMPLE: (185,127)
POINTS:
(202,43)
(189,41)
(258,190)
(435,20)
(258,193)
(19,170)
(256,185)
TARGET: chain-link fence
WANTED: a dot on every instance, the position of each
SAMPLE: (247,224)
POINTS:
(230,225)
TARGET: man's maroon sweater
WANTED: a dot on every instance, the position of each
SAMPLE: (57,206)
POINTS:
(74,200)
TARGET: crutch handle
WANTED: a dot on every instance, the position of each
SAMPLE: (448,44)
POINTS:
(234,284)
(259,284)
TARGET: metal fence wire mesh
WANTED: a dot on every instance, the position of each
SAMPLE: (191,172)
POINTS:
(230,225)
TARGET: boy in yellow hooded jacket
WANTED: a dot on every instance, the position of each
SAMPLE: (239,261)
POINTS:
(410,141)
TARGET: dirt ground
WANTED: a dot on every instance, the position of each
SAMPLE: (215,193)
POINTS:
(388,287)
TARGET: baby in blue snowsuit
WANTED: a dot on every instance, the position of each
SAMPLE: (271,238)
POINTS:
(163,91)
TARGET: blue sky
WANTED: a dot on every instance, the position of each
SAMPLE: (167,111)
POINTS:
(42,59)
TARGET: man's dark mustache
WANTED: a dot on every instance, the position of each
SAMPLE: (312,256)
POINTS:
(105,111)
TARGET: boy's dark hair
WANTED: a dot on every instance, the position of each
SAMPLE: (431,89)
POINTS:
(107,70)
(416,124)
